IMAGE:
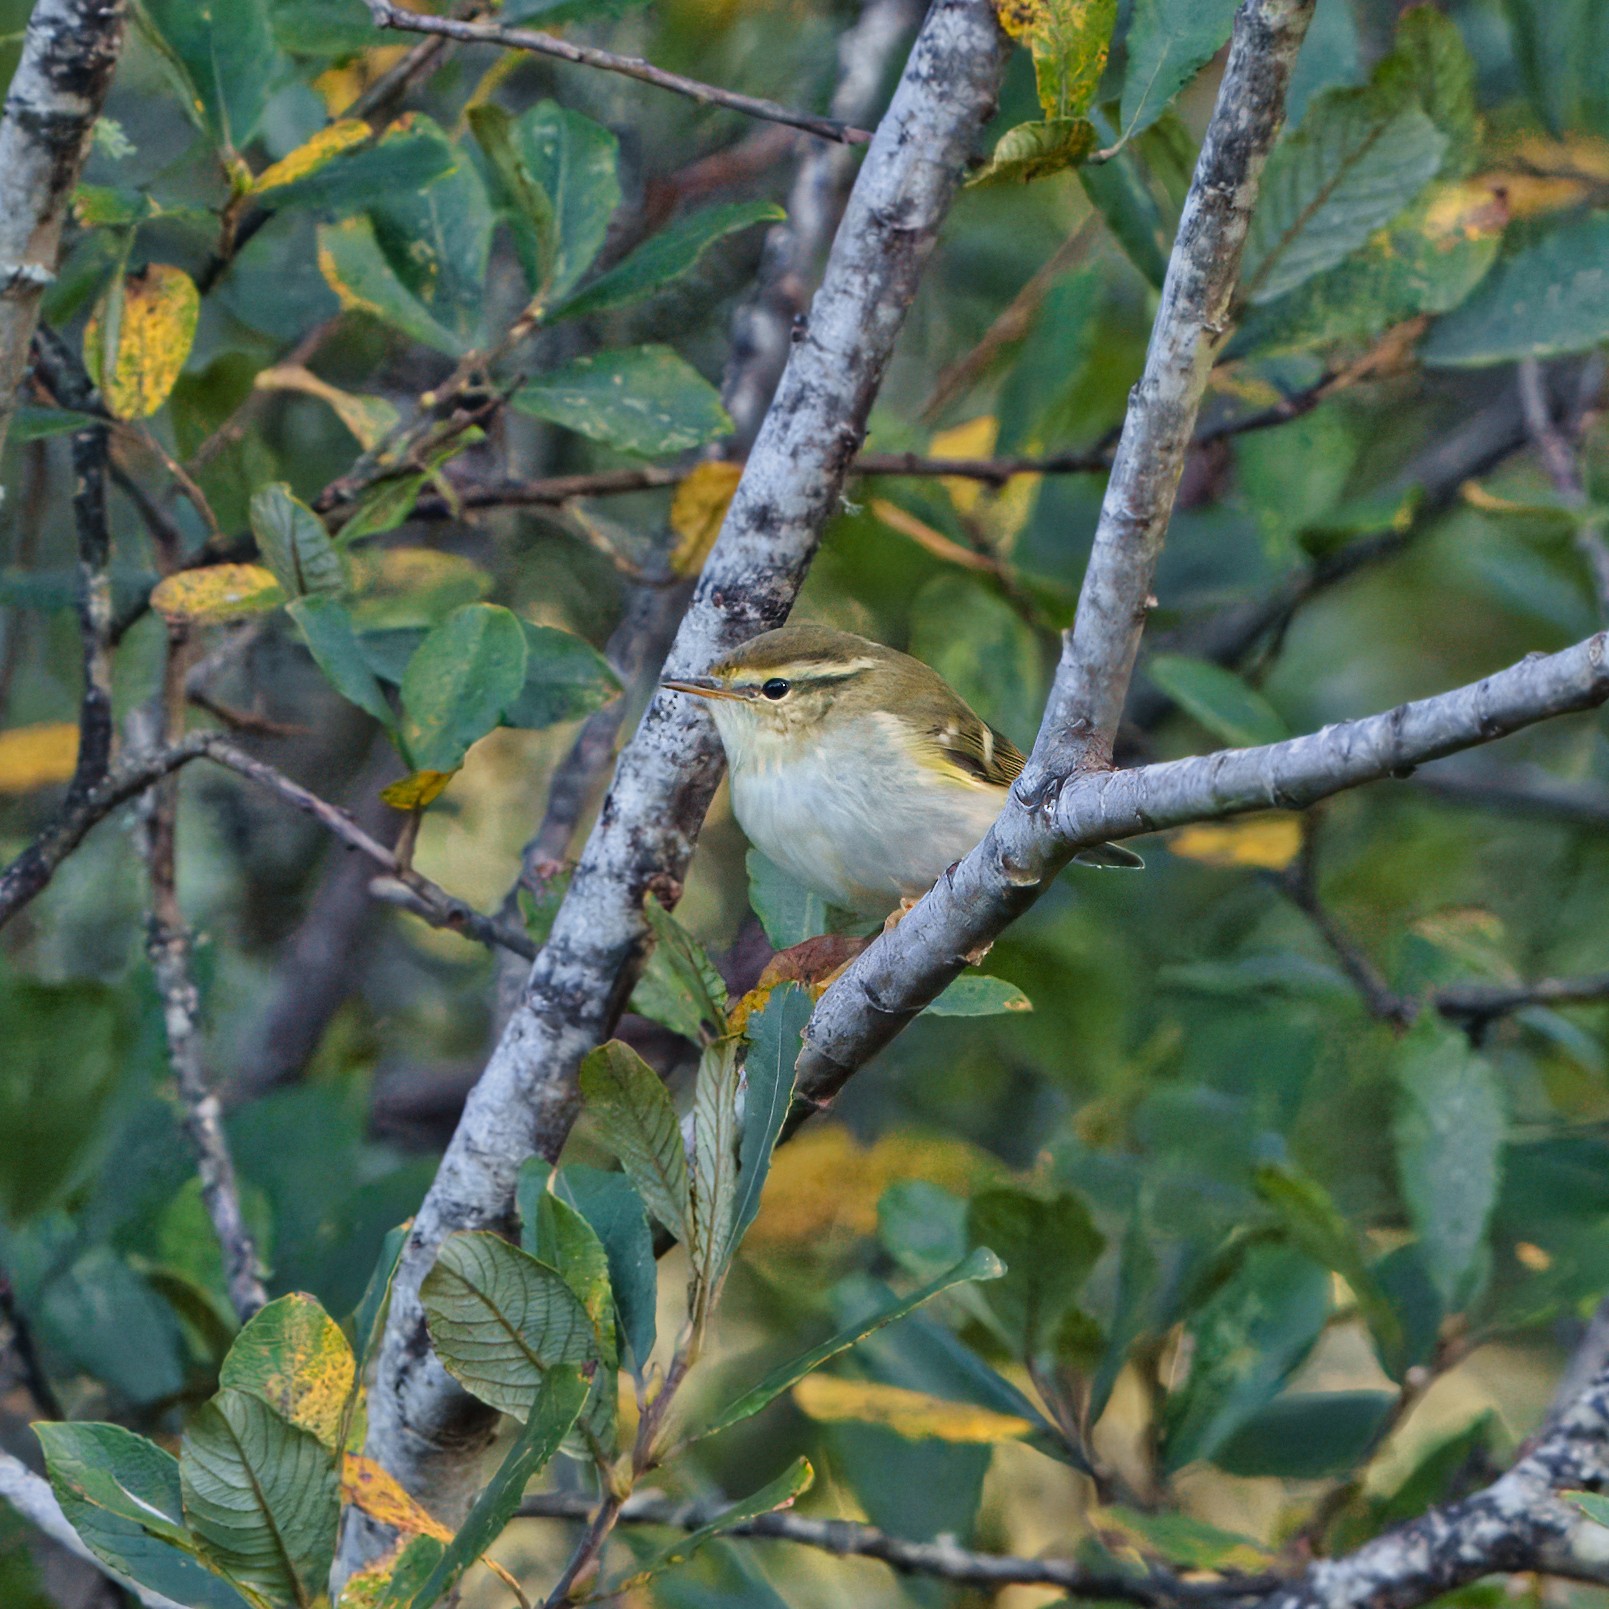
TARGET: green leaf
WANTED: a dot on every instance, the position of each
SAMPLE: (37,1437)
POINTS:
(327,630)
(322,28)
(121,1494)
(1449,1130)
(261,1497)
(350,259)
(1315,1224)
(972,995)
(35,424)
(712,1190)
(981,1264)
(666,256)
(1426,261)
(1138,1278)
(499,1319)
(1547,294)
(535,224)
(1595,1505)
(614,1209)
(783,1492)
(644,400)
(362,1326)
(1218,699)
(1036,150)
(573,160)
(1560,46)
(553,1232)
(1248,1340)
(922,1227)
(405,159)
(774,1036)
(635,1118)
(558,1403)
(294,543)
(460,684)
(789,912)
(1310,1436)
(1049,1247)
(437,237)
(293,1356)
(1169,41)
(1429,63)
(65,1043)
(224,53)
(1357,160)
(985,650)
(1118,190)
(565,679)
(679,987)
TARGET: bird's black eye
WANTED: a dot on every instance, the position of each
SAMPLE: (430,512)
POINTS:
(777,687)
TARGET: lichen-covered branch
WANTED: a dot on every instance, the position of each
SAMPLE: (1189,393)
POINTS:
(422,1427)
(68,54)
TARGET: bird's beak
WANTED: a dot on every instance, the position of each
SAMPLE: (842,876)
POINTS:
(698,686)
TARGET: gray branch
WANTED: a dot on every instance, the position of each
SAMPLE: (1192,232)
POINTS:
(68,54)
(970,906)
(422,1427)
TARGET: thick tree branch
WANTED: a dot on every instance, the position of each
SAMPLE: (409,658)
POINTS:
(975,901)
(1192,324)
(69,52)
(422,1426)
(490,33)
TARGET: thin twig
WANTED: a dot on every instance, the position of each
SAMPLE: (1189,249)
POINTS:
(491,33)
(169,948)
(29,1365)
(945,1560)
(1561,460)
(1482,1002)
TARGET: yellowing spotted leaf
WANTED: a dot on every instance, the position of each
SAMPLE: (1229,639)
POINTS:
(1268,842)
(217,594)
(416,790)
(912,1414)
(1069,40)
(367,1486)
(137,339)
(697,510)
(312,154)
(37,756)
(294,1357)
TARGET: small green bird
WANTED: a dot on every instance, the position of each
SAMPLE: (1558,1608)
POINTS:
(857,770)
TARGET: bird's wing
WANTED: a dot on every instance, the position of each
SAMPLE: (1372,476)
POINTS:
(970,750)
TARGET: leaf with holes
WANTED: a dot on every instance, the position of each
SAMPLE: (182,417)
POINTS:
(500,1320)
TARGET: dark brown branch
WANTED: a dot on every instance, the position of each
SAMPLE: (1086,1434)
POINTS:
(944,1560)
(1478,1003)
(491,33)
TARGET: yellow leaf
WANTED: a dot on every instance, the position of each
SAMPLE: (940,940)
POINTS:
(824,1187)
(135,350)
(295,1358)
(912,1414)
(217,594)
(1455,213)
(974,439)
(1585,154)
(37,756)
(366,1486)
(312,154)
(370,419)
(417,789)
(339,86)
(1270,842)
(697,510)
(1531,195)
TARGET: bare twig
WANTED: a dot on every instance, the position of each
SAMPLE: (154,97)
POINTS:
(69,51)
(491,33)
(169,948)
(1560,459)
(422,1426)
(29,1365)
(30,1495)
(1481,1002)
(945,1560)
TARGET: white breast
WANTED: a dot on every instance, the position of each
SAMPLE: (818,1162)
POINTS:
(862,835)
